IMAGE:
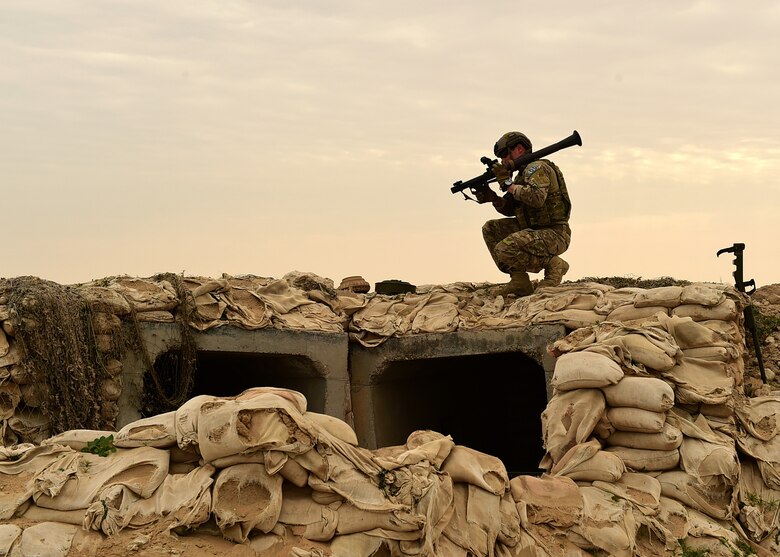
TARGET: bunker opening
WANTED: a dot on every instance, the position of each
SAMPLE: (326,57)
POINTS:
(229,373)
(492,403)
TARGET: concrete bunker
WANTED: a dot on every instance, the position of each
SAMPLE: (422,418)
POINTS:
(229,373)
(487,389)
(488,402)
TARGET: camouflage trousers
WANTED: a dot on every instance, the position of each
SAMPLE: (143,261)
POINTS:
(524,249)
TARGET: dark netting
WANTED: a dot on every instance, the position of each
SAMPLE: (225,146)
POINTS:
(53,325)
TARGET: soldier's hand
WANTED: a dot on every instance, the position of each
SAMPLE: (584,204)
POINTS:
(500,172)
(485,195)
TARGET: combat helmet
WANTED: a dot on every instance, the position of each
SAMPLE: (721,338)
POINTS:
(508,141)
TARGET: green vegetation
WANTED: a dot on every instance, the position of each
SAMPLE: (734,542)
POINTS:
(766,506)
(765,324)
(101,446)
(635,282)
(690,552)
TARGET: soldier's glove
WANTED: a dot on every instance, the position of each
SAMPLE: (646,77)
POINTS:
(485,195)
(502,175)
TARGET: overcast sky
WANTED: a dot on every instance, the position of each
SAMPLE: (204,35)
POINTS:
(264,137)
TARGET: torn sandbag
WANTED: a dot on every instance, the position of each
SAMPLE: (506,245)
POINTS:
(157,431)
(570,418)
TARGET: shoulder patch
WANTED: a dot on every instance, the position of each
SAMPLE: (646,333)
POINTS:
(531,168)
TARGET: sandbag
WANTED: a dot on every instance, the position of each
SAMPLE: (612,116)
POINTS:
(666,440)
(701,381)
(647,393)
(155,431)
(642,490)
(554,500)
(466,465)
(664,296)
(606,523)
(570,418)
(587,462)
(646,460)
(725,311)
(584,370)
(75,480)
(333,426)
(636,419)
(759,511)
(9,533)
(760,416)
(715,500)
(629,312)
(643,351)
(46,539)
(244,498)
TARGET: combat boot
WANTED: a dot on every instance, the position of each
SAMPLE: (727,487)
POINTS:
(553,272)
(519,285)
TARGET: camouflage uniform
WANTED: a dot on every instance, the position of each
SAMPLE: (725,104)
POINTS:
(539,228)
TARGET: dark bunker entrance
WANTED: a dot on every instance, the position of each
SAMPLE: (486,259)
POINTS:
(229,373)
(492,403)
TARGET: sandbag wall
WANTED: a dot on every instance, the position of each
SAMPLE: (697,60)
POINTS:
(655,405)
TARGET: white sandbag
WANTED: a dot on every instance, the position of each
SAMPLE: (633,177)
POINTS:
(646,460)
(666,440)
(636,419)
(587,462)
(75,480)
(647,393)
(570,418)
(554,500)
(585,370)
(46,539)
(156,431)
(466,465)
(246,497)
(333,426)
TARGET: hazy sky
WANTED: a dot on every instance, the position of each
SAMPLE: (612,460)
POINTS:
(264,137)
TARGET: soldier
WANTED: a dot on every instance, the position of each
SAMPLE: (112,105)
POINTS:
(538,230)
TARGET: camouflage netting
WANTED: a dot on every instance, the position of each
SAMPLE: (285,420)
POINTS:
(652,447)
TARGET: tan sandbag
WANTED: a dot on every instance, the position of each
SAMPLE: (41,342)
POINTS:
(759,511)
(9,533)
(766,453)
(701,381)
(664,296)
(706,460)
(181,500)
(476,519)
(156,316)
(647,393)
(715,500)
(647,460)
(75,480)
(725,311)
(77,439)
(19,468)
(587,462)
(156,431)
(335,427)
(607,524)
(30,425)
(668,439)
(4,346)
(265,422)
(466,465)
(690,334)
(629,312)
(712,353)
(10,397)
(186,420)
(46,539)
(641,350)
(510,532)
(584,370)
(297,399)
(355,545)
(34,394)
(570,418)
(146,294)
(110,390)
(245,497)
(636,419)
(642,490)
(12,356)
(105,299)
(760,416)
(547,499)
